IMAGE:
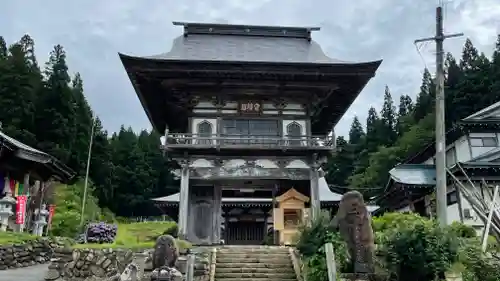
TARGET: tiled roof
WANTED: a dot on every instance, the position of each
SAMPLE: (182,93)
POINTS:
(246,43)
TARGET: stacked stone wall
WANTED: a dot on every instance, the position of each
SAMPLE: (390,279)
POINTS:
(107,264)
(28,253)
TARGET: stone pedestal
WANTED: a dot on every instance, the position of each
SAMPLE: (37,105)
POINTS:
(41,220)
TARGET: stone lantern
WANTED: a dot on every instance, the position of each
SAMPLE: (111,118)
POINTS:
(41,221)
(6,204)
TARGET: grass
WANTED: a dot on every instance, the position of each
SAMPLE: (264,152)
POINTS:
(9,238)
(140,235)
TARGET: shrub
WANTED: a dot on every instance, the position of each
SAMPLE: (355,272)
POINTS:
(310,243)
(172,230)
(478,266)
(462,230)
(421,251)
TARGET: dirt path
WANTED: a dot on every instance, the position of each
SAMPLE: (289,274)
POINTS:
(32,273)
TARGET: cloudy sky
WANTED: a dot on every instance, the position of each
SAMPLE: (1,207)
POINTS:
(94,31)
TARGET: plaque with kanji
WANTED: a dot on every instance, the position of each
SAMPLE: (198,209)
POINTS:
(250,107)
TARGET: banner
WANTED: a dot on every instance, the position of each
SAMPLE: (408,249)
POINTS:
(21,208)
(52,210)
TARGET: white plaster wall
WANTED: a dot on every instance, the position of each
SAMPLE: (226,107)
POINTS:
(196,121)
(462,149)
(302,124)
(453,213)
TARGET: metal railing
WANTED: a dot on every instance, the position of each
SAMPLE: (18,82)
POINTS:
(245,141)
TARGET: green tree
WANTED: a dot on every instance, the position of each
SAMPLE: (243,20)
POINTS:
(425,98)
(404,118)
(18,89)
(356,133)
(388,132)
(340,165)
(55,116)
(83,128)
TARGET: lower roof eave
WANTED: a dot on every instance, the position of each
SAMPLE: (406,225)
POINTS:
(358,68)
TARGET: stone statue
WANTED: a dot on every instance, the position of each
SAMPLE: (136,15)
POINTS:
(165,252)
(354,223)
(164,258)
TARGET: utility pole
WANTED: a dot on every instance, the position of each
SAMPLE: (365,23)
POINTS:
(441,190)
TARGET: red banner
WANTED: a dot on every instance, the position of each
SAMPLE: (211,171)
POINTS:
(52,210)
(21,208)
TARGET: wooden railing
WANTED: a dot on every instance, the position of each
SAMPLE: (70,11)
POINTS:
(243,141)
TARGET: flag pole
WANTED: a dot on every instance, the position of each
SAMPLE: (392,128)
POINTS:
(87,172)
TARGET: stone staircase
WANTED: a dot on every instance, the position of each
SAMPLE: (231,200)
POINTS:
(254,263)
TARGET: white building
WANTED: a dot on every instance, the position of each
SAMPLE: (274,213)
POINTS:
(472,147)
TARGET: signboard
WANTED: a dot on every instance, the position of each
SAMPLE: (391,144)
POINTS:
(21,208)
(250,107)
(52,210)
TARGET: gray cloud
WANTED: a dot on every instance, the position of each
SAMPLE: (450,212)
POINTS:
(94,31)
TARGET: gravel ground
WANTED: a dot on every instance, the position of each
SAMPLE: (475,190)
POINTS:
(32,273)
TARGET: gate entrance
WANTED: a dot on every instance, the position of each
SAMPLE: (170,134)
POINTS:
(245,233)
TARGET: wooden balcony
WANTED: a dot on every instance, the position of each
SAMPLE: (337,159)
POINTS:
(249,142)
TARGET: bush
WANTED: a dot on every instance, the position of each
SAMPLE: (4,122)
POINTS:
(462,230)
(172,230)
(101,233)
(477,265)
(310,244)
(420,252)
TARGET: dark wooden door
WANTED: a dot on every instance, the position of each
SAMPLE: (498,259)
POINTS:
(245,233)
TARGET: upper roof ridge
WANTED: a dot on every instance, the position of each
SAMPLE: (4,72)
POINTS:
(246,30)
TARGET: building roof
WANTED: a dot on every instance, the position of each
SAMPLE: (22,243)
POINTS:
(417,180)
(41,164)
(325,195)
(246,43)
(487,119)
(414,174)
(209,57)
(490,112)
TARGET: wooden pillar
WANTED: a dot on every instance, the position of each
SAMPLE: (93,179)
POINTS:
(217,213)
(314,183)
(184,202)
(226,225)
(275,189)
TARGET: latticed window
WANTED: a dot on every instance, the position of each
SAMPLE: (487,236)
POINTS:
(204,133)
(294,132)
(250,131)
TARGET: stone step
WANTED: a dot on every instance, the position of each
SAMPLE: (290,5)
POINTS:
(281,261)
(255,275)
(256,279)
(246,264)
(254,255)
(280,269)
(252,250)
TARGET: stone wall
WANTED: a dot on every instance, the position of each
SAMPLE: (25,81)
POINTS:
(88,264)
(29,253)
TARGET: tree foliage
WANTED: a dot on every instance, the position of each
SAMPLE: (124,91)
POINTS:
(48,109)
(471,84)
